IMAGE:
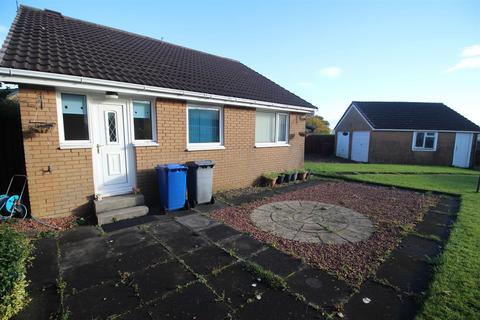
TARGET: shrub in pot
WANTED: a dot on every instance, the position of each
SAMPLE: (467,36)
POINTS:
(301,174)
(270,178)
(290,174)
(294,175)
(307,174)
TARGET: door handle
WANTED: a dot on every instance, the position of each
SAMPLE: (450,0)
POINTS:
(98,148)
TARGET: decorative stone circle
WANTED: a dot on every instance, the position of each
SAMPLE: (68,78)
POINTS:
(312,221)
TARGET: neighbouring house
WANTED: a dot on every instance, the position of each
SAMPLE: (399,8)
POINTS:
(406,133)
(101,107)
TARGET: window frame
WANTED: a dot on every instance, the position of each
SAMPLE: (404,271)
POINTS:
(205,145)
(153,118)
(276,143)
(423,148)
(73,144)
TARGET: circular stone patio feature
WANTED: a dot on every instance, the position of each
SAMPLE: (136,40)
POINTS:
(312,221)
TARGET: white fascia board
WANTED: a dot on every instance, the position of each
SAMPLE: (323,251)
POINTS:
(424,130)
(84,83)
(349,109)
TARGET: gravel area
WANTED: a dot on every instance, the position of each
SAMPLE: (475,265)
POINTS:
(392,211)
(34,228)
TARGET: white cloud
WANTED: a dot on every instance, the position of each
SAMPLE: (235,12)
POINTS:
(470,59)
(331,72)
(306,84)
(471,51)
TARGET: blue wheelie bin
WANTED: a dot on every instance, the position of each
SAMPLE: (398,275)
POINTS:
(172,185)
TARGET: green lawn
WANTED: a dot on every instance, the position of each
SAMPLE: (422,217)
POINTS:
(454,293)
(317,167)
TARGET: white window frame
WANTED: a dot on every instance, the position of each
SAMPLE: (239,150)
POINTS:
(211,145)
(153,118)
(276,143)
(415,148)
(73,144)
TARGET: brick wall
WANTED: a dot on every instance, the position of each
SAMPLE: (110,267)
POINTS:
(68,188)
(239,165)
(396,147)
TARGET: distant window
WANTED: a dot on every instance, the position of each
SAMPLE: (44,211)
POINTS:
(75,119)
(271,128)
(142,120)
(424,140)
(204,125)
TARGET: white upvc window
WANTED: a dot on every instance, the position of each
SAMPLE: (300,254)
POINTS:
(271,129)
(204,127)
(74,124)
(424,141)
(144,122)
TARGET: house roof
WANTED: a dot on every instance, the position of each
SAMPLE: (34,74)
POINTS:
(413,116)
(47,41)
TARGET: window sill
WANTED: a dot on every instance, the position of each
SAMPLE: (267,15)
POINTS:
(75,146)
(424,150)
(271,145)
(204,148)
(145,144)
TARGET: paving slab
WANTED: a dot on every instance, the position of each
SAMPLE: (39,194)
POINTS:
(196,221)
(194,302)
(79,233)
(207,207)
(219,232)
(169,229)
(237,284)
(187,243)
(208,259)
(278,262)
(101,302)
(44,304)
(277,305)
(418,247)
(406,273)
(427,227)
(440,218)
(44,268)
(384,303)
(135,314)
(83,252)
(128,239)
(244,245)
(128,223)
(319,287)
(154,282)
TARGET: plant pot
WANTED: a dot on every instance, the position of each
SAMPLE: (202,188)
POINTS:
(280,179)
(307,175)
(301,176)
(287,178)
(270,182)
(294,176)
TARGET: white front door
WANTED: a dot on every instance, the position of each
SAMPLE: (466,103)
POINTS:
(462,150)
(360,143)
(111,151)
(343,140)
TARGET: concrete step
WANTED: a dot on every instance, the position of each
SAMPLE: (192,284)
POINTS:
(118,202)
(121,214)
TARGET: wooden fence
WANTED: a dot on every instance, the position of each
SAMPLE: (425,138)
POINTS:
(319,145)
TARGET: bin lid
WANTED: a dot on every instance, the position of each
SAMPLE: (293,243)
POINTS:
(200,163)
(172,166)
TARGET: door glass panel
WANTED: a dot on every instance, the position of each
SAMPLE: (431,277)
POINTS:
(112,127)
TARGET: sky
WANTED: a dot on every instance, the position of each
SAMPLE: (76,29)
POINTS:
(328,52)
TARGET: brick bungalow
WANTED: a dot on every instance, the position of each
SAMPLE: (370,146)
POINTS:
(406,133)
(101,107)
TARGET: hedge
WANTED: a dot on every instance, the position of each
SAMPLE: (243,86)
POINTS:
(15,254)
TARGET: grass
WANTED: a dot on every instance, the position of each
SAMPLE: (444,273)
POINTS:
(454,292)
(323,167)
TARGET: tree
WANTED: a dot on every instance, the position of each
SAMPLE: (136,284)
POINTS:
(319,125)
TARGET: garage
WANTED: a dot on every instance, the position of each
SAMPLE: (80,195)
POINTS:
(360,143)
(343,141)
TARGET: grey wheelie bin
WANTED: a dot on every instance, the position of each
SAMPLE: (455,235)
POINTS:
(199,182)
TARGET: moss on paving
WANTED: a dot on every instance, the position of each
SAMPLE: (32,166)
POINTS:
(454,292)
